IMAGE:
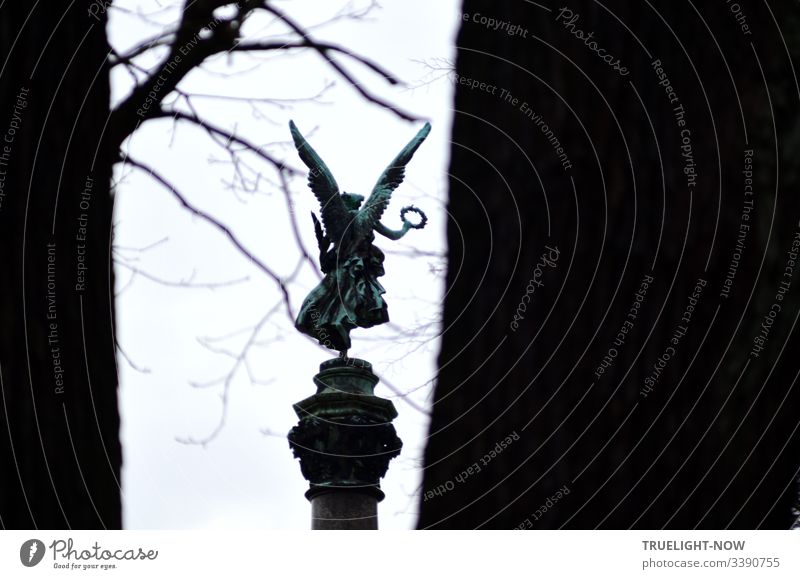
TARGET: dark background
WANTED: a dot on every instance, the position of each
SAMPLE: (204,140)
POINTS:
(715,444)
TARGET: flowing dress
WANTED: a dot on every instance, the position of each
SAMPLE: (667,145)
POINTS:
(349,295)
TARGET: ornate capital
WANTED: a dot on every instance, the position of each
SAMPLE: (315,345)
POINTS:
(345,438)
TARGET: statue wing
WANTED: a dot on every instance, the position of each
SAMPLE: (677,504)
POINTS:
(334,213)
(370,214)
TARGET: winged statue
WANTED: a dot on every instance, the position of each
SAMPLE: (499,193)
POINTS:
(350,294)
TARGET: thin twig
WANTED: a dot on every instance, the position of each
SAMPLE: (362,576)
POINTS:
(322,48)
(227,380)
(222,227)
(324,53)
(186,283)
(295,228)
(227,135)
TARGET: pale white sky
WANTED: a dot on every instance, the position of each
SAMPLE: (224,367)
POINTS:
(246,476)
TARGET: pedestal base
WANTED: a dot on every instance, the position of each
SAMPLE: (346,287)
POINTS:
(340,510)
(344,440)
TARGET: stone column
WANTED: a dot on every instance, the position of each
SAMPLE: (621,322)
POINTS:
(344,440)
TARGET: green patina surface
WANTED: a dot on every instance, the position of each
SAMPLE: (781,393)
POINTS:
(350,294)
(345,438)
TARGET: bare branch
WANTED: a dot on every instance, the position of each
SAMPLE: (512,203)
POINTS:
(198,36)
(154,42)
(184,283)
(269,432)
(403,396)
(338,68)
(281,103)
(322,48)
(227,380)
(189,49)
(142,249)
(130,362)
(223,228)
(227,135)
(438,68)
(295,230)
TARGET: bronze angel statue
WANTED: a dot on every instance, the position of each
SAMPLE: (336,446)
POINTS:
(350,294)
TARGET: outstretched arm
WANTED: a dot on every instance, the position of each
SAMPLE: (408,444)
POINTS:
(392,234)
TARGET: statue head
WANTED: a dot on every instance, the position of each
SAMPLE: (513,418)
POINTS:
(352,201)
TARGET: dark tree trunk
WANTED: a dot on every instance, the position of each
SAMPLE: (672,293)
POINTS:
(708,436)
(60,454)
